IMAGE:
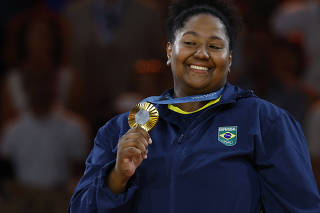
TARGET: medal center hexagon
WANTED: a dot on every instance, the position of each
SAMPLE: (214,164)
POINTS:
(142,117)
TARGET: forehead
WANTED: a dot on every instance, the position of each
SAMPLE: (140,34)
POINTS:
(205,24)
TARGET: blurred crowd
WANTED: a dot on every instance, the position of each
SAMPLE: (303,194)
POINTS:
(68,66)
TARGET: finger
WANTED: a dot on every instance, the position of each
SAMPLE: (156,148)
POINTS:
(135,140)
(130,152)
(134,143)
(142,131)
(133,154)
(127,167)
(137,136)
(136,131)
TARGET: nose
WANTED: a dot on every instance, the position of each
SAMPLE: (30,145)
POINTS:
(202,53)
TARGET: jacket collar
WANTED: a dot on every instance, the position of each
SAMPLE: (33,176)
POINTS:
(230,94)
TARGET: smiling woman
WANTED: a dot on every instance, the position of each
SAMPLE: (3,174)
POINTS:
(199,56)
(215,148)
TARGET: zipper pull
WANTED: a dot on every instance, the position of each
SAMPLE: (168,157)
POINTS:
(180,139)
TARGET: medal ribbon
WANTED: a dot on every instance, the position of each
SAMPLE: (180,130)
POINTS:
(194,98)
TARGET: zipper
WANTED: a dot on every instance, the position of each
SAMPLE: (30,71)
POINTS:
(176,158)
(180,138)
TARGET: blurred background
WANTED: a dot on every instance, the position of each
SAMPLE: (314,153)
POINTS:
(68,66)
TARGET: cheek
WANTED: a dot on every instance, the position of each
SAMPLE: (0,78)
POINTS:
(177,54)
(178,58)
(181,53)
(222,61)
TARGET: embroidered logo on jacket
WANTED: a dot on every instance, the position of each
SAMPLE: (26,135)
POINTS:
(227,135)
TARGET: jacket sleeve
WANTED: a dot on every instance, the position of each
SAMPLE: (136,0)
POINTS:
(91,194)
(285,172)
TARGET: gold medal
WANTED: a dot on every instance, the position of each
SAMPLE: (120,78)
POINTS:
(144,115)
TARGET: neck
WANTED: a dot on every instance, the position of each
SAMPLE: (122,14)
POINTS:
(192,106)
(179,92)
(184,91)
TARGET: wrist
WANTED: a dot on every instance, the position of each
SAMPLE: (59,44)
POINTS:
(116,182)
(119,176)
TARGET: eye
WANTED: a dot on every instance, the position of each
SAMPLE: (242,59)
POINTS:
(189,43)
(212,46)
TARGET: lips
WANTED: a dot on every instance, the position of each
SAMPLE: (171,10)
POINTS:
(199,68)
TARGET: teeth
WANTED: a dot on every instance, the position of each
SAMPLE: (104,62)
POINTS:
(199,67)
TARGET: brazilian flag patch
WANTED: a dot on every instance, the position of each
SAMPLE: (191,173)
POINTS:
(227,135)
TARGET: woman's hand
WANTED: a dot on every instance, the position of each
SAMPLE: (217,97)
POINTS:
(132,150)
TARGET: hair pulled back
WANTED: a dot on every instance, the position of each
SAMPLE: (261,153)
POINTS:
(181,10)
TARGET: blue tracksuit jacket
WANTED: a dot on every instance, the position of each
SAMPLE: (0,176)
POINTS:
(241,155)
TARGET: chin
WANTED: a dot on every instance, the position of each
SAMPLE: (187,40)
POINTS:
(203,89)
(199,86)
(196,90)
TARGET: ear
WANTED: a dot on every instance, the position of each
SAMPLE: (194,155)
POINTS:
(169,52)
(230,61)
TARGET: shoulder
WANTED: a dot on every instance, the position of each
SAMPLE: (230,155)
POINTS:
(269,117)
(266,113)
(247,102)
(261,106)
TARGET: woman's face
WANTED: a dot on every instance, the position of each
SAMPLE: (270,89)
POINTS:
(200,56)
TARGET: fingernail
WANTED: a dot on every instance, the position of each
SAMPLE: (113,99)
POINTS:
(150,141)
(145,156)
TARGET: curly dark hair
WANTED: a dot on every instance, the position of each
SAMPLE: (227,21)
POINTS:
(181,10)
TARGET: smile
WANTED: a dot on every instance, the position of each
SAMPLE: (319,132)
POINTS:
(199,68)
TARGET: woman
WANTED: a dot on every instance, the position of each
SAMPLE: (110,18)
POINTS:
(229,152)
(38,45)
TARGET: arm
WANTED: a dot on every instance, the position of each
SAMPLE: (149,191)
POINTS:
(284,168)
(96,192)
(132,150)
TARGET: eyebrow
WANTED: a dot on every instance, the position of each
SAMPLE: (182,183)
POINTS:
(196,34)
